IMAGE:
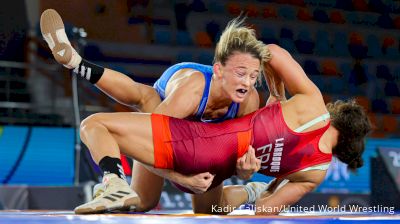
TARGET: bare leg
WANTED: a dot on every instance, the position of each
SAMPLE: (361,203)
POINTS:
(128,92)
(147,185)
(115,84)
(208,202)
(234,196)
(119,87)
(105,134)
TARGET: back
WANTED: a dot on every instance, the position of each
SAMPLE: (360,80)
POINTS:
(281,150)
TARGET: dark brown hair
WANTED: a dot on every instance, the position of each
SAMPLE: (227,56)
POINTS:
(353,125)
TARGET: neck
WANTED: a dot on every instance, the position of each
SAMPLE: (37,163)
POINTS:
(217,98)
(330,138)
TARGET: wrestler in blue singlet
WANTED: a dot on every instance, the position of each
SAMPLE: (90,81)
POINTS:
(161,84)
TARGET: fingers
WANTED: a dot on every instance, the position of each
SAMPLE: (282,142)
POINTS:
(258,162)
(205,181)
(242,160)
(251,155)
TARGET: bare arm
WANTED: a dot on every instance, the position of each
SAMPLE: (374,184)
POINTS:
(275,84)
(290,193)
(126,91)
(290,73)
(198,183)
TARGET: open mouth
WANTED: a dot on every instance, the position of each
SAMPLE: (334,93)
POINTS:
(241,92)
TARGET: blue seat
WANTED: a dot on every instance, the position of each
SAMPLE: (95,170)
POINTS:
(311,68)
(379,106)
(183,38)
(385,21)
(392,52)
(162,36)
(269,35)
(374,46)
(304,42)
(369,19)
(205,57)
(344,4)
(335,85)
(288,44)
(320,15)
(319,81)
(396,73)
(391,89)
(287,12)
(340,41)
(322,43)
(353,18)
(216,6)
(286,33)
(383,72)
(358,51)
(184,56)
(378,6)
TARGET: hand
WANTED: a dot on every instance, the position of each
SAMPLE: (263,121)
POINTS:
(247,164)
(198,183)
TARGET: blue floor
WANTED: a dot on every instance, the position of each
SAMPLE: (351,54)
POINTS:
(56,217)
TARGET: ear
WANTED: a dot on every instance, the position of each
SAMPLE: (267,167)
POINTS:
(217,67)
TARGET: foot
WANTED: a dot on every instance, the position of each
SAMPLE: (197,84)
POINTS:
(98,190)
(53,32)
(117,195)
(254,190)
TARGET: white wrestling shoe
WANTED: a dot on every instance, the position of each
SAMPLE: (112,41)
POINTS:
(53,32)
(254,190)
(117,195)
(98,189)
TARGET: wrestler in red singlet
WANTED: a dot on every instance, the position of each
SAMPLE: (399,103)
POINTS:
(195,147)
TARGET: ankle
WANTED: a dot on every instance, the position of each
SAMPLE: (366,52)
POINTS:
(111,165)
(89,71)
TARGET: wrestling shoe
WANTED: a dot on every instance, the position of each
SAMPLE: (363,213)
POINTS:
(254,190)
(117,195)
(98,189)
(53,32)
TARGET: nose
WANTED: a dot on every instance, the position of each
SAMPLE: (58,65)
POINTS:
(246,80)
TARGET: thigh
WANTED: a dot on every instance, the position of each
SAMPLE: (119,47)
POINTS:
(132,132)
(208,202)
(147,185)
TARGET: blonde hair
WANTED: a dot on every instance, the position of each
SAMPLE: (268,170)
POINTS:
(239,38)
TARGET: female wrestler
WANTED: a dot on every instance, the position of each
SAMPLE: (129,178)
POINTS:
(191,147)
(187,90)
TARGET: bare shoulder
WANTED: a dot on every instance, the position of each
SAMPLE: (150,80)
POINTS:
(305,104)
(183,94)
(189,80)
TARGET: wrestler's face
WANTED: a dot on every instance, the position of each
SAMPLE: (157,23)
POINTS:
(238,75)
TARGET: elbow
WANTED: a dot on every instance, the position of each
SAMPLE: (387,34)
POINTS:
(276,49)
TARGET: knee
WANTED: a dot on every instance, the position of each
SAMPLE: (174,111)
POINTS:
(227,193)
(147,205)
(88,124)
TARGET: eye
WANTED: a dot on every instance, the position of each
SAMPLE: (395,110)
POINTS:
(240,74)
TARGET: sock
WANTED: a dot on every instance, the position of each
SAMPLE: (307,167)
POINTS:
(112,165)
(89,71)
